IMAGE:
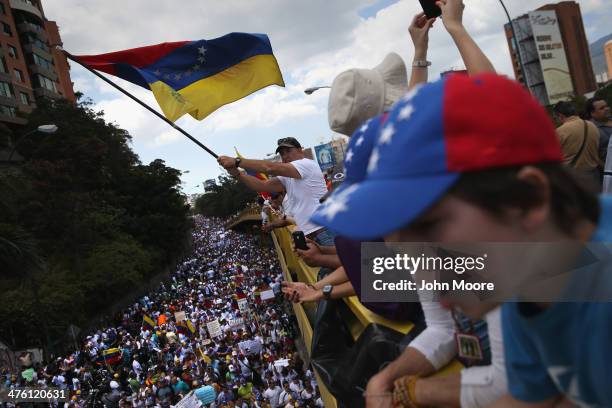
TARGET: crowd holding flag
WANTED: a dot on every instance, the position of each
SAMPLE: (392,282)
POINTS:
(148,323)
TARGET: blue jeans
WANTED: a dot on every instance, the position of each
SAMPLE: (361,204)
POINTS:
(325,238)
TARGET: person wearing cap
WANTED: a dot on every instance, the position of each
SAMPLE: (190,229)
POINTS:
(457,178)
(300,177)
(112,398)
(579,141)
(435,347)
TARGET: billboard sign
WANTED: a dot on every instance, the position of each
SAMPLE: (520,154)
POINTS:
(325,156)
(551,53)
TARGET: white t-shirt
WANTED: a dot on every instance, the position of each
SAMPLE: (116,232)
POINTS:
(272,395)
(304,193)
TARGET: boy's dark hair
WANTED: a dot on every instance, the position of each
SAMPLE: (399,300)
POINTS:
(589,106)
(572,198)
(565,108)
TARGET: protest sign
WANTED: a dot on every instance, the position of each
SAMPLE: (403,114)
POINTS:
(267,294)
(214,328)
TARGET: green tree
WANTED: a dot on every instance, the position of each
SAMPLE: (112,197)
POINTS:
(82,222)
(226,198)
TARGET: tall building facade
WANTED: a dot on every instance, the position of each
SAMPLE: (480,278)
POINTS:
(556,63)
(608,54)
(30,65)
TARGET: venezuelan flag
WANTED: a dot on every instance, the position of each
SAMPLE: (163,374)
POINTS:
(181,327)
(148,323)
(112,356)
(195,77)
(190,327)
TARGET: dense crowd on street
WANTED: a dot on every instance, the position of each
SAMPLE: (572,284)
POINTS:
(250,361)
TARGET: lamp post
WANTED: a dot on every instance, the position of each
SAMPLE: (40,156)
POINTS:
(309,91)
(516,41)
(51,128)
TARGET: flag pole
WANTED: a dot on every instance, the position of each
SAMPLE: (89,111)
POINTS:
(162,117)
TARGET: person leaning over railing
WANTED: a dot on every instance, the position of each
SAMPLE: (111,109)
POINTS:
(500,180)
(436,346)
(275,213)
(356,96)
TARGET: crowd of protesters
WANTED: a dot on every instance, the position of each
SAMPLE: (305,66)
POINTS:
(250,361)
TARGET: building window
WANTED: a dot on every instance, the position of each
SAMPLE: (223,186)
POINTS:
(18,75)
(2,65)
(8,111)
(6,29)
(24,98)
(46,83)
(2,9)
(5,89)
(41,62)
(39,44)
(12,51)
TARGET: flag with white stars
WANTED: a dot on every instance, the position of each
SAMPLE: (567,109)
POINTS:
(195,77)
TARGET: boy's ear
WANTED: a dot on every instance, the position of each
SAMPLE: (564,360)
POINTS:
(538,214)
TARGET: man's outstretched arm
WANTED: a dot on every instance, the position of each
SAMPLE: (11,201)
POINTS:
(261,166)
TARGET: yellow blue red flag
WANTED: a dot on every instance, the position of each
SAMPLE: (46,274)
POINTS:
(195,77)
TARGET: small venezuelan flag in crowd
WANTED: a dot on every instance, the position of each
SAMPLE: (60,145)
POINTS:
(111,356)
(185,327)
(195,77)
(148,323)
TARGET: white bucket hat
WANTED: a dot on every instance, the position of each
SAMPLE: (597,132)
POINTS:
(360,94)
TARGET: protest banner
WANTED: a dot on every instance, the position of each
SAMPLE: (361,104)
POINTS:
(267,294)
(214,329)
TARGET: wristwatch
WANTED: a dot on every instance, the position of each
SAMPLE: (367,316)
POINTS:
(237,162)
(421,63)
(327,290)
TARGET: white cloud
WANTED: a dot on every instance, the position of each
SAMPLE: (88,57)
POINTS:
(313,42)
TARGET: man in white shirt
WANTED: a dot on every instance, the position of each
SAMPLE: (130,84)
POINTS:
(272,394)
(299,177)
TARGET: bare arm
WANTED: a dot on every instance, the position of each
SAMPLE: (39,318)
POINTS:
(335,278)
(272,185)
(261,166)
(410,362)
(475,60)
(419,33)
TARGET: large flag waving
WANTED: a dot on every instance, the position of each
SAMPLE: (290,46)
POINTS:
(195,77)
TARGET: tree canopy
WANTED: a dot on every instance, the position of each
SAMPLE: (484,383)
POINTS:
(82,222)
(225,198)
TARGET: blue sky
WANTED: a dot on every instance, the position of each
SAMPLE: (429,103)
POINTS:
(313,42)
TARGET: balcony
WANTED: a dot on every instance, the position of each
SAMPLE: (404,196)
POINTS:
(37,69)
(45,93)
(23,5)
(8,101)
(32,49)
(33,28)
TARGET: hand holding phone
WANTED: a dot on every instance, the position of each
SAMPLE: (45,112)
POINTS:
(299,240)
(430,8)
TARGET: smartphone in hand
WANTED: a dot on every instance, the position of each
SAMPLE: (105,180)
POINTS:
(299,240)
(430,8)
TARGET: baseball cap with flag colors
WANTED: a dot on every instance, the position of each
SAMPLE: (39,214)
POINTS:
(433,134)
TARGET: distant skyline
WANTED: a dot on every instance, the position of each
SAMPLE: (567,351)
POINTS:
(313,42)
